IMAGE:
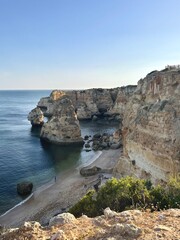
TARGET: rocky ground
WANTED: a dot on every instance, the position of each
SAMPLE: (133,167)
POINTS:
(127,225)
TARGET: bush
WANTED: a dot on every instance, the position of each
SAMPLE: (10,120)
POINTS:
(85,206)
(128,193)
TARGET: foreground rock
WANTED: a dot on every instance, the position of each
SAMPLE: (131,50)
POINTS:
(24,188)
(63,127)
(127,225)
(151,128)
(36,117)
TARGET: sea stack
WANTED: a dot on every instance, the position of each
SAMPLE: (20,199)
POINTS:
(63,127)
(36,117)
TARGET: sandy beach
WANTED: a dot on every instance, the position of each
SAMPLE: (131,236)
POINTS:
(59,196)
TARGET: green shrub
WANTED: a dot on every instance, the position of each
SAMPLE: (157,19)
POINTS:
(86,206)
(128,193)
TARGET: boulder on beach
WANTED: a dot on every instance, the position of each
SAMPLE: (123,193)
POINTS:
(24,188)
(85,172)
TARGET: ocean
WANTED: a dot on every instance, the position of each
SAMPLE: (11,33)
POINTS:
(24,157)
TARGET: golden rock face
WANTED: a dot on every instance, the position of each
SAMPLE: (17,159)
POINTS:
(151,126)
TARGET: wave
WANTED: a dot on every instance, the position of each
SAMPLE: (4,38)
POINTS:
(22,202)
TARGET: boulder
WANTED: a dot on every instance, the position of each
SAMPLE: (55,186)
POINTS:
(24,188)
(85,172)
(87,145)
(86,137)
(97,136)
(62,219)
(115,145)
(36,117)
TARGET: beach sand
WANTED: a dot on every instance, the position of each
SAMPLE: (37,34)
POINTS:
(59,196)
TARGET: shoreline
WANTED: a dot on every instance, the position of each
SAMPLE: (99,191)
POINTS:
(43,204)
(45,186)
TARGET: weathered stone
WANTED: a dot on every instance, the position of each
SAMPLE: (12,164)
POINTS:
(89,171)
(62,219)
(97,136)
(115,145)
(87,145)
(108,213)
(32,225)
(36,117)
(151,127)
(132,230)
(24,188)
(162,228)
(86,137)
(63,127)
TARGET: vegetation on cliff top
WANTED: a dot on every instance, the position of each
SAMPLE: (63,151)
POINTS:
(129,193)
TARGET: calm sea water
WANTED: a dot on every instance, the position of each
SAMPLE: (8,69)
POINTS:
(23,157)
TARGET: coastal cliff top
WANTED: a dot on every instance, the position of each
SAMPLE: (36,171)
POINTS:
(127,225)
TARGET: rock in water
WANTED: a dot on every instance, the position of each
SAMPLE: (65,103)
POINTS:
(24,188)
(36,117)
(63,127)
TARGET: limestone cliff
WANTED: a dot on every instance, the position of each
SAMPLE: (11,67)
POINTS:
(63,127)
(106,103)
(151,128)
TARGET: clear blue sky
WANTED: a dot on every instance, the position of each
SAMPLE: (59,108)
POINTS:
(49,44)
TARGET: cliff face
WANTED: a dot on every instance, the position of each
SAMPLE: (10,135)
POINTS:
(151,128)
(90,102)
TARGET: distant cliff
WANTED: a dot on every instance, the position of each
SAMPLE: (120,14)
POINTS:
(151,128)
(102,103)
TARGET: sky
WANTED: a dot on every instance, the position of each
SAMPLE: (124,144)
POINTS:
(76,44)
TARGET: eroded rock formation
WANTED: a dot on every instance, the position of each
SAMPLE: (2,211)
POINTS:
(36,117)
(63,127)
(106,103)
(151,128)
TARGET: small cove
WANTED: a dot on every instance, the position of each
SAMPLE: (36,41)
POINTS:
(24,157)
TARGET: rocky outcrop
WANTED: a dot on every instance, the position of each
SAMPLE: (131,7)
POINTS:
(101,103)
(151,128)
(24,188)
(131,224)
(36,117)
(124,93)
(63,127)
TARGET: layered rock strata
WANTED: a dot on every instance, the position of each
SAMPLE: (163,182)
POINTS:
(151,128)
(102,103)
(63,127)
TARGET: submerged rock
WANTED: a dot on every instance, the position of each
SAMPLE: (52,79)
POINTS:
(63,127)
(24,188)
